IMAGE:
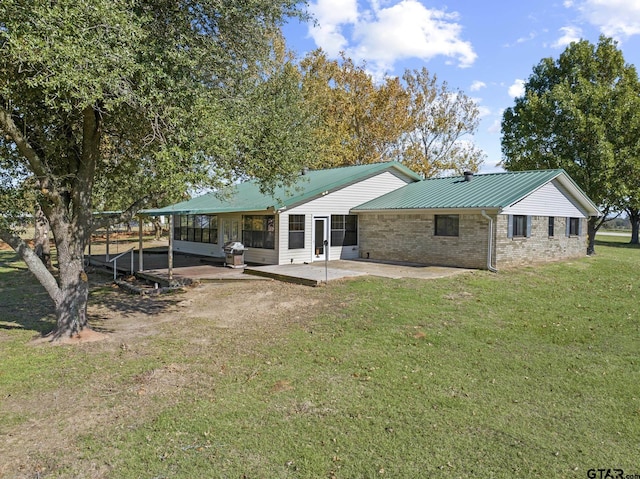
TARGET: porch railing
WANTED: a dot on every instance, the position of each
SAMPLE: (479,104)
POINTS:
(114,260)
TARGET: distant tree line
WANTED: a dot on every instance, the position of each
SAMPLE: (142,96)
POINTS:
(617,224)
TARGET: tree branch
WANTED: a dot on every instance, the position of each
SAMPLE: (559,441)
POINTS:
(37,267)
(127,214)
(35,162)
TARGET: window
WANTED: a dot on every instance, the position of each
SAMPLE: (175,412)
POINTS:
(296,231)
(573,226)
(344,230)
(196,228)
(519,226)
(258,231)
(447,225)
(552,221)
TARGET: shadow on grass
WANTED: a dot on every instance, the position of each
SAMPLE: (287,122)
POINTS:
(108,302)
(617,244)
(24,304)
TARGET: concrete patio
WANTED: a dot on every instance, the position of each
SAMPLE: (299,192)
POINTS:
(189,268)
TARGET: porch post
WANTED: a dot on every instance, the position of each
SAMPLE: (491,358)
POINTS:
(170,249)
(140,252)
(107,258)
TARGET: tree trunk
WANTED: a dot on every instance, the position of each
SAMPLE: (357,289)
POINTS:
(71,304)
(634,217)
(157,227)
(41,242)
(71,310)
(592,227)
(70,292)
(72,230)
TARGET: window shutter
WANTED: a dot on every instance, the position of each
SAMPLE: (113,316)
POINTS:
(510,226)
(568,226)
(528,232)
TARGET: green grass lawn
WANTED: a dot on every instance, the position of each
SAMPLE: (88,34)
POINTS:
(531,372)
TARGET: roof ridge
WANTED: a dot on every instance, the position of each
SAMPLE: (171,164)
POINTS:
(498,173)
(355,166)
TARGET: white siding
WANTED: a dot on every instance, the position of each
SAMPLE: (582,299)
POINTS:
(549,200)
(201,249)
(337,203)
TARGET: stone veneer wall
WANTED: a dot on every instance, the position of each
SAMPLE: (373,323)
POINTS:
(410,237)
(539,246)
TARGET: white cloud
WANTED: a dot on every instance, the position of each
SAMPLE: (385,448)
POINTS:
(569,34)
(331,15)
(614,18)
(529,37)
(483,111)
(517,89)
(388,31)
(477,85)
(495,127)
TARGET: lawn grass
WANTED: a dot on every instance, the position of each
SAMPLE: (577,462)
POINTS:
(531,372)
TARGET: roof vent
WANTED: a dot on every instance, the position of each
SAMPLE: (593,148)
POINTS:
(304,171)
(468,175)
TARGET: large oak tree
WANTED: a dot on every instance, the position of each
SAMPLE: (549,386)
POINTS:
(576,113)
(135,98)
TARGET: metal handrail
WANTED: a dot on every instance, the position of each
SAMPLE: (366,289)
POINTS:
(114,260)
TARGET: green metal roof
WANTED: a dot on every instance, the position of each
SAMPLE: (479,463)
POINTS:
(490,191)
(247,196)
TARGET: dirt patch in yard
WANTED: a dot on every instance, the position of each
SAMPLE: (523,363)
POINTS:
(209,324)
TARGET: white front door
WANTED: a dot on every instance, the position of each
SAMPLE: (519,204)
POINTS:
(320,237)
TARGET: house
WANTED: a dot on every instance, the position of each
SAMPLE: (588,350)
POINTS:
(386,212)
(484,221)
(292,224)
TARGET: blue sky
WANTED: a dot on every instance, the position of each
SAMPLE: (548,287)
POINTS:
(485,49)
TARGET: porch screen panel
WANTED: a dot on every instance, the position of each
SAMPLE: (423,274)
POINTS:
(183,227)
(196,228)
(258,231)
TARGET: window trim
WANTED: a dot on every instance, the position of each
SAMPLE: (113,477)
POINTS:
(574,226)
(297,221)
(511,223)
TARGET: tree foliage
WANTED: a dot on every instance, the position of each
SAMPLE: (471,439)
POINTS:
(415,119)
(136,100)
(575,114)
(356,121)
(441,121)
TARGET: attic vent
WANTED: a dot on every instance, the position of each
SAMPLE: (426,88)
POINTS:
(468,175)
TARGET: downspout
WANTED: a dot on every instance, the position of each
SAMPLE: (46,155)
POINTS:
(490,249)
